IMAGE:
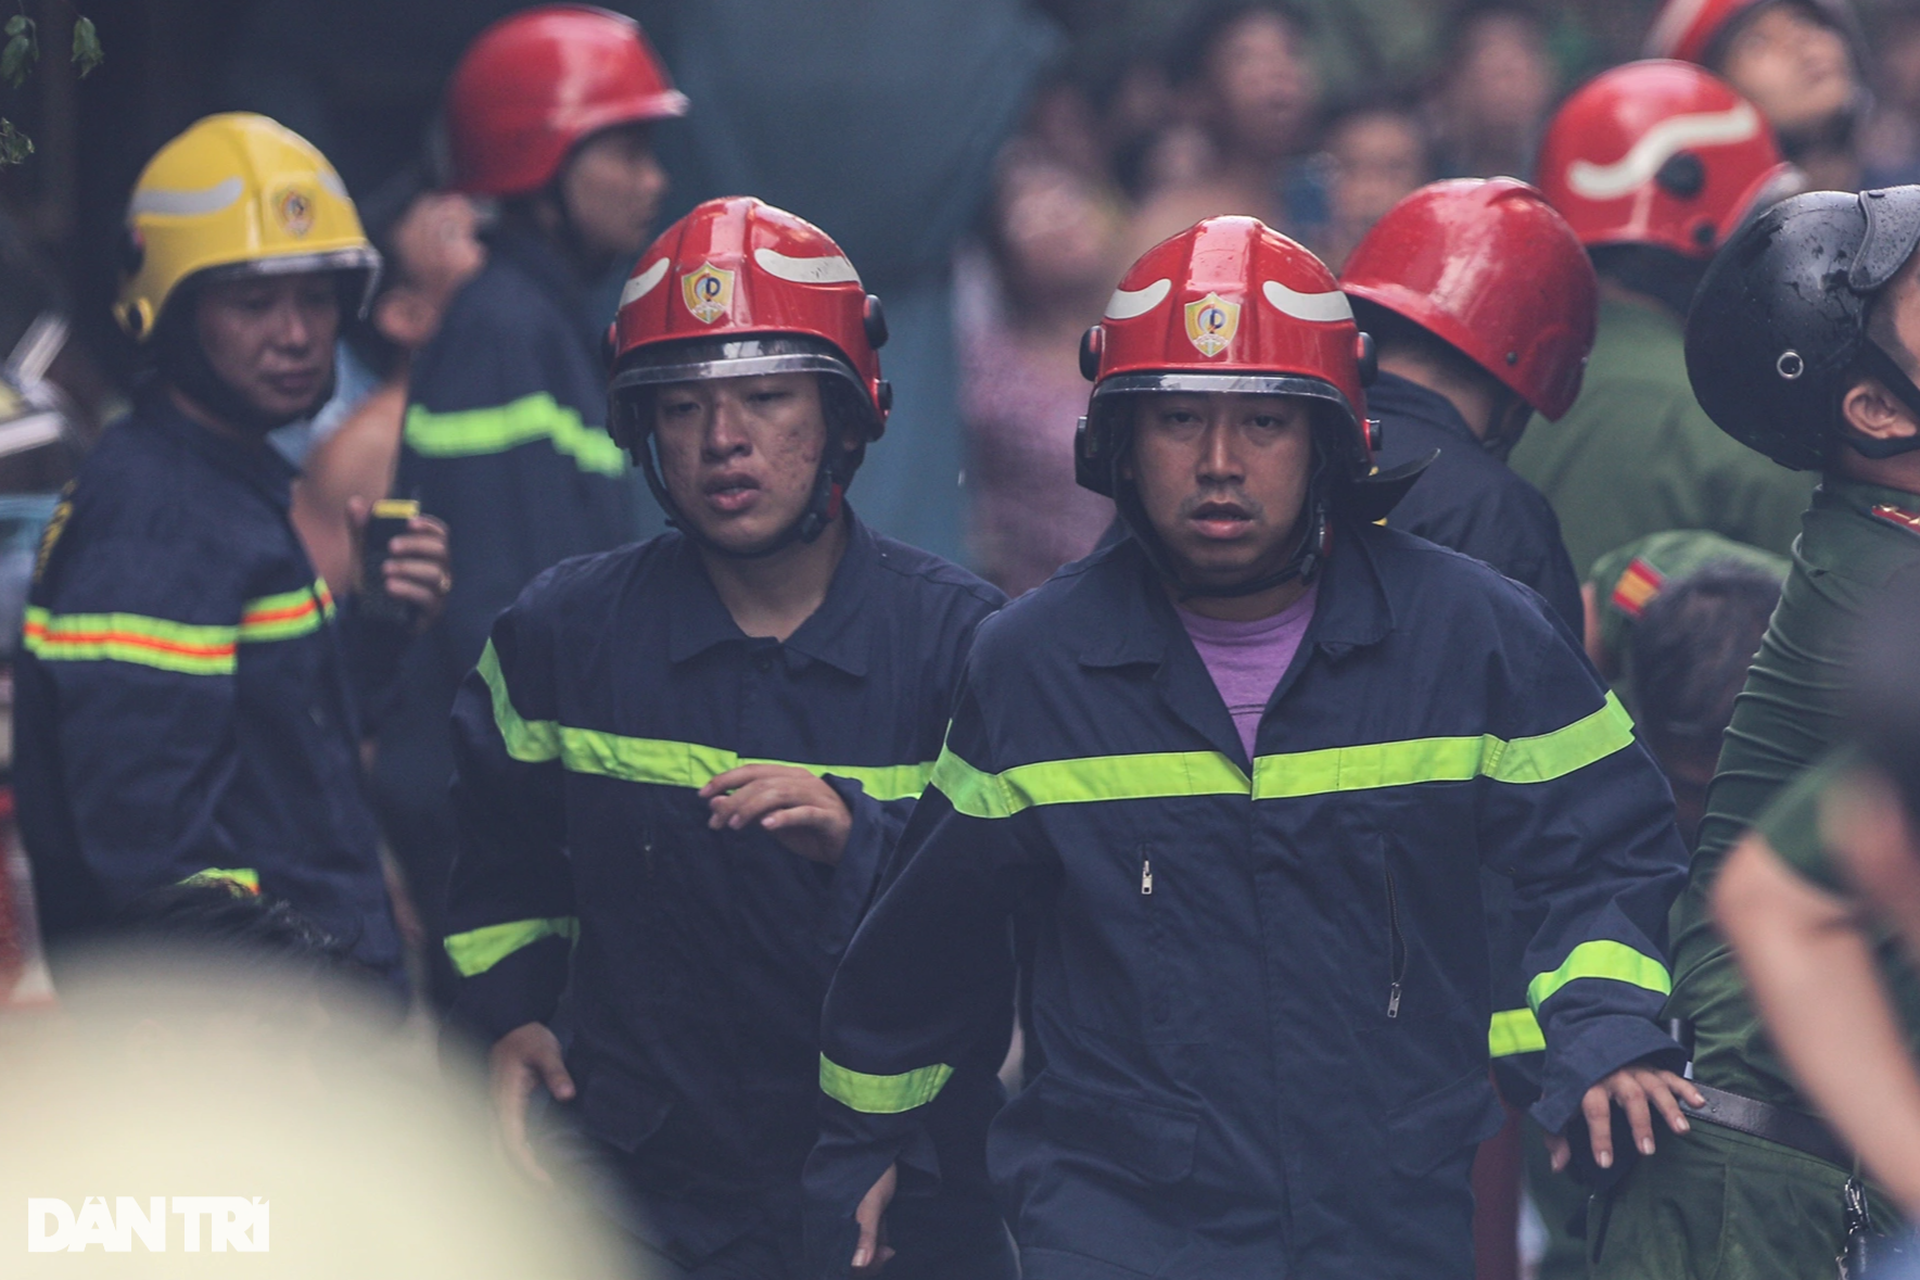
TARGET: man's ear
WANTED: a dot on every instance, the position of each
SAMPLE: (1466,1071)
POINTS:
(1876,412)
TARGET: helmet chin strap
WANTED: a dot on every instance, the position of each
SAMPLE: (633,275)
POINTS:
(1885,368)
(823,505)
(1313,530)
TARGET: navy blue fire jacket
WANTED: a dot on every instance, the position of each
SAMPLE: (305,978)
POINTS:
(610,692)
(1470,500)
(1260,988)
(187,702)
(504,440)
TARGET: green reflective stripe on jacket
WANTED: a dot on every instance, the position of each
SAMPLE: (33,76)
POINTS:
(288,615)
(1288,776)
(528,741)
(1399,764)
(1148,776)
(185,648)
(659,761)
(1514,1031)
(478,950)
(1601,959)
(245,877)
(883,1095)
(470,433)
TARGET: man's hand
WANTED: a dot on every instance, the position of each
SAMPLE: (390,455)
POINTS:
(1640,1090)
(417,570)
(872,1252)
(527,1055)
(797,808)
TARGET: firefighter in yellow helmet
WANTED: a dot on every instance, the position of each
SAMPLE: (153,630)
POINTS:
(190,692)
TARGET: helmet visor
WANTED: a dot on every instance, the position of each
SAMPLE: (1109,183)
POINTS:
(630,394)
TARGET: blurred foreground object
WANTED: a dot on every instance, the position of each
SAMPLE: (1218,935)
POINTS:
(176,1077)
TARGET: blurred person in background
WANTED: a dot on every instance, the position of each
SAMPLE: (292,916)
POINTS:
(1376,155)
(1802,345)
(1654,165)
(549,118)
(684,764)
(1496,85)
(1801,62)
(1243,78)
(1481,304)
(1890,140)
(1053,246)
(1623,582)
(1817,901)
(429,249)
(189,703)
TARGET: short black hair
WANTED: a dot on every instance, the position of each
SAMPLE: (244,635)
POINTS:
(1394,334)
(227,918)
(1691,651)
(1668,277)
(1206,22)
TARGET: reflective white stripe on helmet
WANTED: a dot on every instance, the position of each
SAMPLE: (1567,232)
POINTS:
(185,204)
(1125,304)
(1659,145)
(1321,308)
(831,269)
(644,283)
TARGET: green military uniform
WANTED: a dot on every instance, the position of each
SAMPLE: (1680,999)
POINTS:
(1714,1202)
(1637,455)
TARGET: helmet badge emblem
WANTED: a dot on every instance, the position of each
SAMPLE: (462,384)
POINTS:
(1211,323)
(708,292)
(293,210)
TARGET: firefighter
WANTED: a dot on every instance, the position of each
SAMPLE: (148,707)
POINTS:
(1239,769)
(188,699)
(1802,346)
(548,118)
(1654,165)
(1481,303)
(683,763)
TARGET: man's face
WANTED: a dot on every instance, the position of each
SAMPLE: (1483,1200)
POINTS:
(270,338)
(1795,68)
(612,186)
(739,455)
(1223,479)
(1263,87)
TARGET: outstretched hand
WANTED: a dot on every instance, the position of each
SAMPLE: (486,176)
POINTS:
(1640,1090)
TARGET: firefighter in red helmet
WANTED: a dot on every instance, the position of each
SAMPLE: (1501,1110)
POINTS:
(1237,772)
(548,118)
(683,764)
(1654,165)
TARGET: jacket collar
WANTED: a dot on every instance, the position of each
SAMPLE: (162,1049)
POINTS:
(1394,396)
(259,465)
(1127,619)
(835,633)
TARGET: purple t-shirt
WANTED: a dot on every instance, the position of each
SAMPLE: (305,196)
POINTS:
(1247,659)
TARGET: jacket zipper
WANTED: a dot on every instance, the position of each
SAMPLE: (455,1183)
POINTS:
(1396,949)
(1146,874)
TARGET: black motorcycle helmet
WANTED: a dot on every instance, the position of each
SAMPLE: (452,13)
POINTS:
(1777,334)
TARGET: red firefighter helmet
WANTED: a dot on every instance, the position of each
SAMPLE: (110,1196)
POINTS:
(1693,30)
(1227,305)
(1488,266)
(738,288)
(1659,153)
(534,84)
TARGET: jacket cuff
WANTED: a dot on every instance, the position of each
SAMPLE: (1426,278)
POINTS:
(854,878)
(520,988)
(1581,1055)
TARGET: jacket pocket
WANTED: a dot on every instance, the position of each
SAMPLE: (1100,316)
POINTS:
(1424,1133)
(621,1110)
(1152,1144)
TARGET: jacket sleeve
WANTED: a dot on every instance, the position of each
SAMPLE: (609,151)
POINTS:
(924,993)
(510,908)
(1580,817)
(138,649)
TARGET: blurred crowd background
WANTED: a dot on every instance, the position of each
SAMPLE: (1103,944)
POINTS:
(990,165)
